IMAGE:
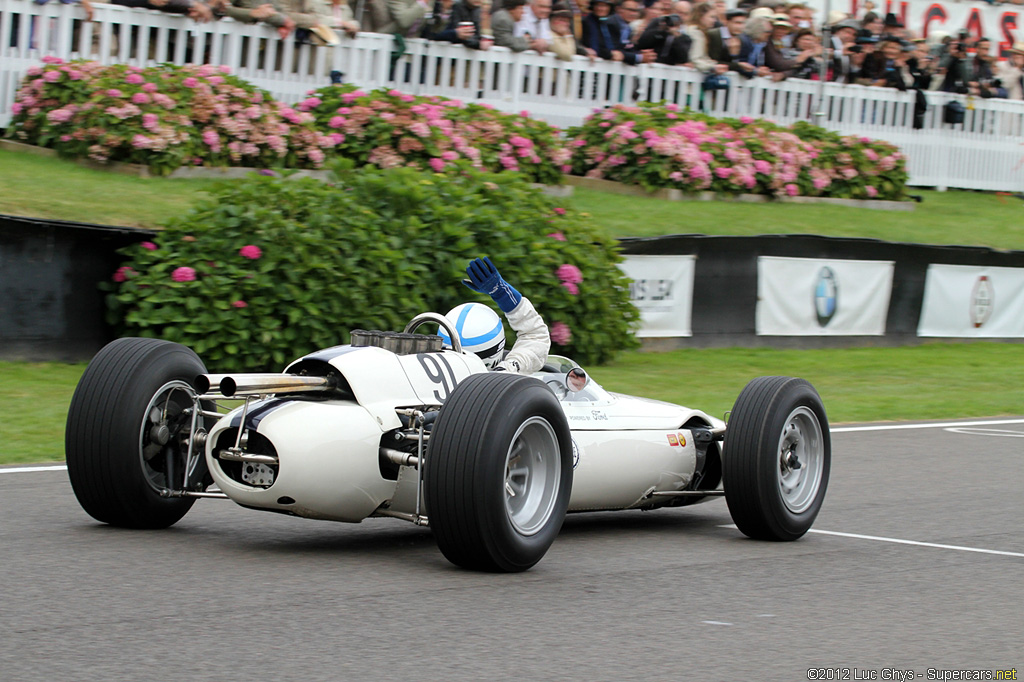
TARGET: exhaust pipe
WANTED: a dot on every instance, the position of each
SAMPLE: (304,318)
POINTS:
(237,385)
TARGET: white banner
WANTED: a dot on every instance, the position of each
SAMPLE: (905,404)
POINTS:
(662,290)
(1002,24)
(818,297)
(973,301)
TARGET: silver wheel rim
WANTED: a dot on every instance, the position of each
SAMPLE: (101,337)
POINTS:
(533,470)
(153,453)
(801,459)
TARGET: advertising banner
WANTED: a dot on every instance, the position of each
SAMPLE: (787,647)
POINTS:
(819,297)
(972,301)
(1002,24)
(662,290)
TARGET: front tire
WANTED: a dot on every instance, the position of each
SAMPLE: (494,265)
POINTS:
(127,430)
(498,473)
(777,458)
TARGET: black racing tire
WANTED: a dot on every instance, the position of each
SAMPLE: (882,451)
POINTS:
(774,420)
(498,433)
(116,467)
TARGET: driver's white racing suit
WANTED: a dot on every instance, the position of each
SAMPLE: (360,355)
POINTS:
(530,351)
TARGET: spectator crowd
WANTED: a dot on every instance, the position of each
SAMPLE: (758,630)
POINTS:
(755,39)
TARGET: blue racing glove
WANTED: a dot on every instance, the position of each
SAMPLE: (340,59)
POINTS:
(484,279)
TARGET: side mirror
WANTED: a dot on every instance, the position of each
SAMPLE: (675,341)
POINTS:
(576,379)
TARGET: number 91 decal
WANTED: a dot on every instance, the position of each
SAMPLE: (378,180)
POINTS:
(439,372)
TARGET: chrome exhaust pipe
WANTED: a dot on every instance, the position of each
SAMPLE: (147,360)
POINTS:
(238,385)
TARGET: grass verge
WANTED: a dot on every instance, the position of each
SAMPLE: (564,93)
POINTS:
(43,187)
(55,188)
(932,381)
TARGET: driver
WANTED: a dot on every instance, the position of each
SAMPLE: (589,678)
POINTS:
(480,330)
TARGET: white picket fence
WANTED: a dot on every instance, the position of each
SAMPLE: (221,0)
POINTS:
(985,152)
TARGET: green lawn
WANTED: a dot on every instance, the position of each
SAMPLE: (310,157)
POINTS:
(43,187)
(933,381)
(54,188)
(959,218)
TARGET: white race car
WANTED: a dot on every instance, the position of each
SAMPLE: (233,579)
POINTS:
(395,425)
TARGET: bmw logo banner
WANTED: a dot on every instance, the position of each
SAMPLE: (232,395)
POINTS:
(969,301)
(821,297)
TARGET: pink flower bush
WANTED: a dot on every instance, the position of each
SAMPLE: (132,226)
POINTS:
(148,246)
(569,273)
(166,116)
(239,304)
(387,128)
(183,274)
(560,333)
(123,273)
(250,251)
(656,145)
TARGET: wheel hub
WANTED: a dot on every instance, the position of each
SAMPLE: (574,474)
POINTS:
(801,459)
(532,473)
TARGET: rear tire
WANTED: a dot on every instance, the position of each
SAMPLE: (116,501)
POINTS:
(777,458)
(125,432)
(498,473)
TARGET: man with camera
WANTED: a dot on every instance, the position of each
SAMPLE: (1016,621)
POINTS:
(666,40)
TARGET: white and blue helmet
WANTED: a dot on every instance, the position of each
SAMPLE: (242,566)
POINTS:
(480,331)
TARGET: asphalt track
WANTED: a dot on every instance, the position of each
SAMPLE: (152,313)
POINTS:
(916,562)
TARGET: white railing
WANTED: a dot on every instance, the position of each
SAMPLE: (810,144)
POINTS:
(985,152)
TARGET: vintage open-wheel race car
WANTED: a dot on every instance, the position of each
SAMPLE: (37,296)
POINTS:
(395,425)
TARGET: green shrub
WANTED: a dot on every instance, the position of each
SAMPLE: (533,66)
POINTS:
(269,269)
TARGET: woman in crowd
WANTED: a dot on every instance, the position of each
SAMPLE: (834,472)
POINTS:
(1011,72)
(702,19)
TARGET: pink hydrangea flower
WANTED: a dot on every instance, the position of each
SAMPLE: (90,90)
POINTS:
(240,304)
(746,120)
(183,274)
(114,92)
(437,164)
(148,246)
(723,172)
(250,251)
(569,273)
(792,190)
(134,78)
(150,87)
(557,236)
(560,333)
(449,155)
(872,192)
(123,273)
(572,287)
(190,82)
(150,121)
(559,210)
(51,76)
(140,98)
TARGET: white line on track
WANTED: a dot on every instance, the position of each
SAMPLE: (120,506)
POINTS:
(916,543)
(897,541)
(927,425)
(28,470)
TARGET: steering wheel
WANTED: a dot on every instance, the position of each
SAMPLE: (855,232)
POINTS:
(441,321)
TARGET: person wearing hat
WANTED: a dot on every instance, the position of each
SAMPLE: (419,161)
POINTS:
(563,42)
(1011,71)
(774,56)
(844,38)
